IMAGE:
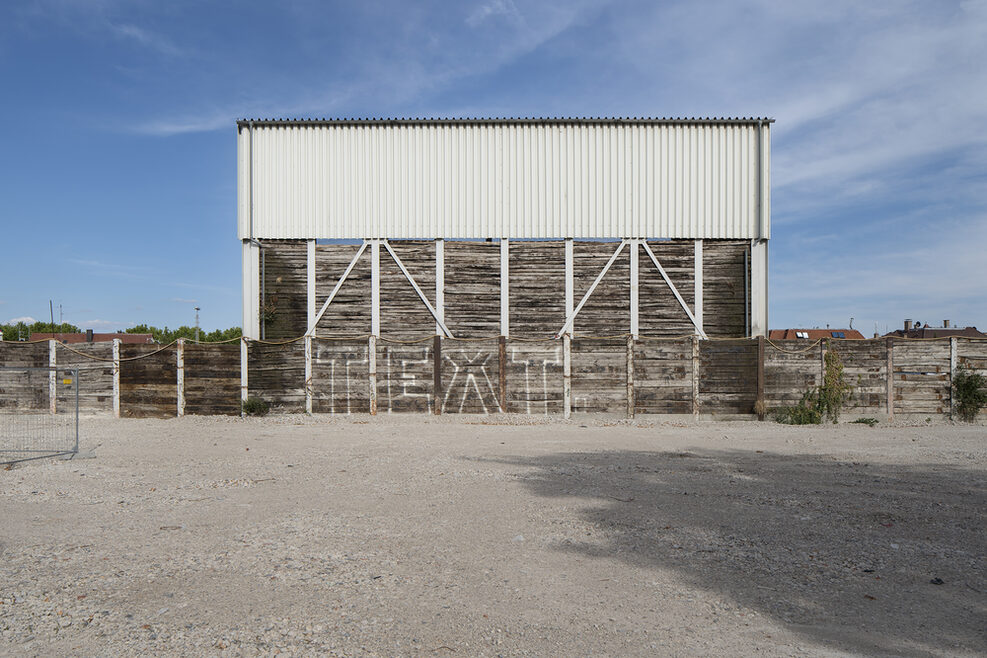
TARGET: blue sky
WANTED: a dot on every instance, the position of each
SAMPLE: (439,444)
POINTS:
(117,163)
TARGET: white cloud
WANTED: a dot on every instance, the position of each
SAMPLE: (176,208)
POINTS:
(107,325)
(505,8)
(26,319)
(146,38)
(181,300)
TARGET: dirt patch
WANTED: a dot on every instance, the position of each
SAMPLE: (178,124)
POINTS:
(434,536)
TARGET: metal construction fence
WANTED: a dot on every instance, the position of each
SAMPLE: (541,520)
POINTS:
(39,413)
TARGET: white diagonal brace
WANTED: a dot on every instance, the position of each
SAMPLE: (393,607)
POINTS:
(572,316)
(407,274)
(675,291)
(339,284)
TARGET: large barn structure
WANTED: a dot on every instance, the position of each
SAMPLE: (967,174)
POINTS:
(471,228)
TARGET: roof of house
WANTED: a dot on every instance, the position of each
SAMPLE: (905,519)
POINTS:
(814,334)
(97,338)
(937,332)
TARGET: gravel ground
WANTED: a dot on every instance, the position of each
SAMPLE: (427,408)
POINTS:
(497,536)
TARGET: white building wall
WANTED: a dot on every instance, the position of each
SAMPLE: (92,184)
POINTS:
(524,179)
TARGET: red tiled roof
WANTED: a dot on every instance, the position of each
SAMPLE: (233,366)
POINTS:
(814,334)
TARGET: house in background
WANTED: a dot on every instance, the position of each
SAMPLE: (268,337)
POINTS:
(919,330)
(814,334)
(90,337)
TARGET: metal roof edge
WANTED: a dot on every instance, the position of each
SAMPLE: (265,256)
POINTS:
(241,123)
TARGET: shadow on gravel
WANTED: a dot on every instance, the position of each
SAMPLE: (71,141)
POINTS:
(869,558)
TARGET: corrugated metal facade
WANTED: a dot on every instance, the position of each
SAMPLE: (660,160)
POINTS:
(498,178)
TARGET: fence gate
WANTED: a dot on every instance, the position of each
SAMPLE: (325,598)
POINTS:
(39,413)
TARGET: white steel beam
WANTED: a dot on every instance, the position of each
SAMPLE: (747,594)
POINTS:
(675,291)
(759,288)
(414,284)
(440,285)
(251,289)
(505,293)
(569,290)
(310,281)
(567,327)
(698,278)
(375,287)
(635,290)
(339,284)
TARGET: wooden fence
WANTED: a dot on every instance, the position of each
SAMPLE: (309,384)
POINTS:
(614,375)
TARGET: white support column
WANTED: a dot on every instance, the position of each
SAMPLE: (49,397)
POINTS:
(251,289)
(375,287)
(52,380)
(440,285)
(180,365)
(635,291)
(505,294)
(759,288)
(308,374)
(116,377)
(310,281)
(570,297)
(698,294)
(244,371)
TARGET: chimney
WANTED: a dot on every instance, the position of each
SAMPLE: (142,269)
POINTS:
(945,324)
(908,325)
(89,335)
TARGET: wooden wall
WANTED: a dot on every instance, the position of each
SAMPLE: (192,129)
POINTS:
(921,377)
(727,376)
(149,384)
(284,310)
(536,289)
(599,375)
(534,377)
(721,379)
(276,374)
(660,313)
(349,314)
(95,377)
(212,379)
(536,272)
(340,370)
(22,390)
(472,290)
(663,377)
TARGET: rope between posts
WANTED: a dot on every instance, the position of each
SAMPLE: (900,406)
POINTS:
(121,359)
(803,351)
(427,339)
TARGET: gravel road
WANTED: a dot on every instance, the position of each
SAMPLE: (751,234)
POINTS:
(497,536)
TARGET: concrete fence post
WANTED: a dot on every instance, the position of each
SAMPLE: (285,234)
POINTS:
(52,381)
(180,363)
(116,377)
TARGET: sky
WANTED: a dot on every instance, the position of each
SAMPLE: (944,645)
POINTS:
(118,155)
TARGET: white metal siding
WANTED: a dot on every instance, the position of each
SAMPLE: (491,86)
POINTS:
(524,180)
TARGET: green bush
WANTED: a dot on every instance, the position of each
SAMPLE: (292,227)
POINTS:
(969,393)
(825,401)
(870,422)
(255,407)
(806,412)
